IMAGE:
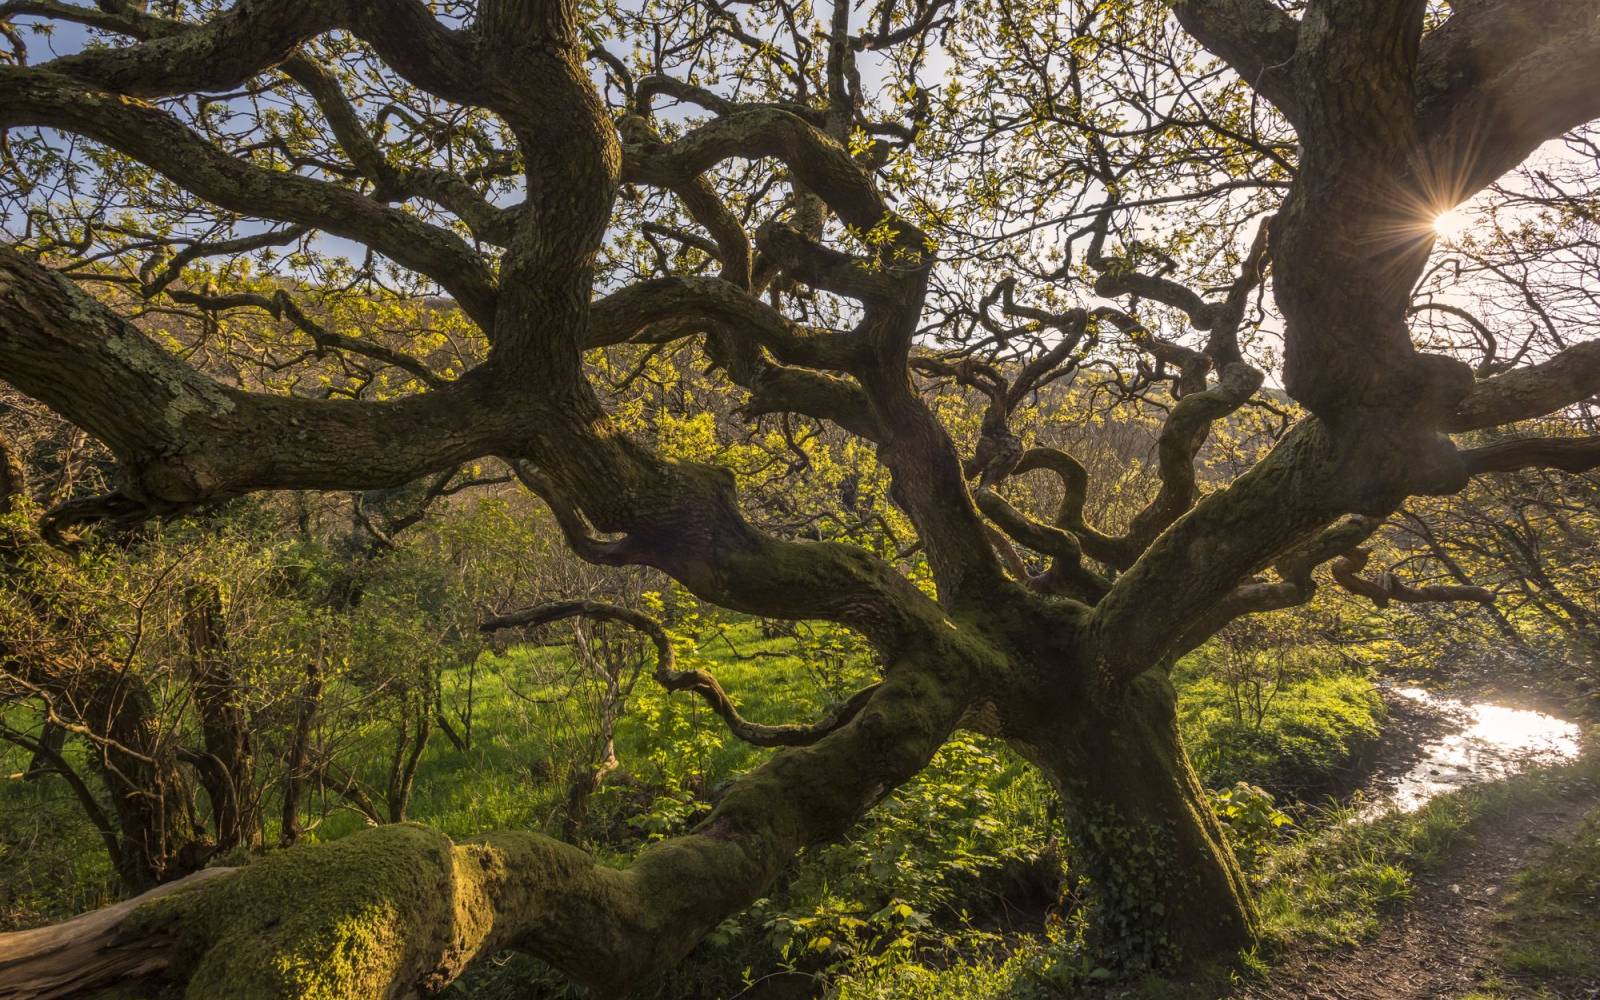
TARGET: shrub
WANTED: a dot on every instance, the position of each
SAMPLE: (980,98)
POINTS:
(1314,728)
(1252,820)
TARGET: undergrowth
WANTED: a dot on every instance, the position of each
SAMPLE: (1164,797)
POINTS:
(1551,925)
(1314,727)
(1332,885)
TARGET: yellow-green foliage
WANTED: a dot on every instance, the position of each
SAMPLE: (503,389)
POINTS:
(981,980)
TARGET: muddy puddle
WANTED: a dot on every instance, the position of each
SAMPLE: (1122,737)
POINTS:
(1471,742)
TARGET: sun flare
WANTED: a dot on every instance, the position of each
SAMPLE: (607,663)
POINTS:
(1451,224)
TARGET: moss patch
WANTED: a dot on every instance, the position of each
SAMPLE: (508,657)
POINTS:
(339,920)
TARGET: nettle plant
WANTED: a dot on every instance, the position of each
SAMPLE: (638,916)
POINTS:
(855,216)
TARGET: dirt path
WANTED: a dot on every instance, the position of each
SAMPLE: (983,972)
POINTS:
(1440,944)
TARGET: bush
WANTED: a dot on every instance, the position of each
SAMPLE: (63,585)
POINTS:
(1252,820)
(1313,729)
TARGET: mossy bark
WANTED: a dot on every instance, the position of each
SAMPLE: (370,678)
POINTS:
(374,915)
(1163,885)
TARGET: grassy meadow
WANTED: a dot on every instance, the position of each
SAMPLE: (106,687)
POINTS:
(958,884)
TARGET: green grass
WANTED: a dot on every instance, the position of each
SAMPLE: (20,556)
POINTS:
(1551,923)
(515,774)
(1336,883)
(1315,728)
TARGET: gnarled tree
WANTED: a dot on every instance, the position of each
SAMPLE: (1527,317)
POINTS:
(471,150)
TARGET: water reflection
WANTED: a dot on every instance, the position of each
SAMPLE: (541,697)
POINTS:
(1494,742)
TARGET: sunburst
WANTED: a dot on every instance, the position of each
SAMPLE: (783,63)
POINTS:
(1452,224)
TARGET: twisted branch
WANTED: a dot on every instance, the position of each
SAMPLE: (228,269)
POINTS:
(697,681)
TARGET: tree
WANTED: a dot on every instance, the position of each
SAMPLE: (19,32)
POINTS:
(1530,536)
(56,653)
(471,150)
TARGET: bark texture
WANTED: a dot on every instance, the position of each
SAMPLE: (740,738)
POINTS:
(1069,662)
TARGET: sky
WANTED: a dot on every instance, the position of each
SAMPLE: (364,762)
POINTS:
(1458,224)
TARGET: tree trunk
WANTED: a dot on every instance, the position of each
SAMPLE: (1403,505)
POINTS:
(153,802)
(411,739)
(1162,883)
(227,766)
(294,767)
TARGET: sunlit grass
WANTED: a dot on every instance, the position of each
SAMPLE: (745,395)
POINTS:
(1552,919)
(1335,885)
(525,708)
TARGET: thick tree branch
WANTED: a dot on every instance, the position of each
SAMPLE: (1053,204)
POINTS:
(1498,79)
(1572,376)
(1182,435)
(1578,454)
(62,959)
(222,53)
(1066,572)
(783,389)
(818,162)
(621,315)
(805,260)
(1074,480)
(184,438)
(1294,587)
(176,57)
(1185,430)
(650,86)
(1296,490)
(39,97)
(1255,37)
